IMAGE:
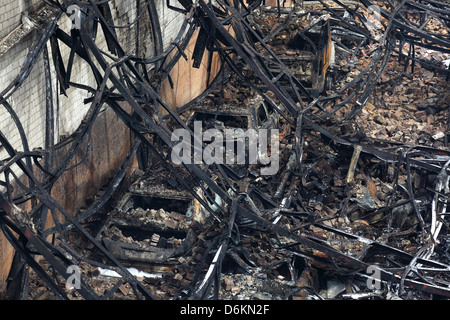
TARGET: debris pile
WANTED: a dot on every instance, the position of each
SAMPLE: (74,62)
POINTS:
(358,208)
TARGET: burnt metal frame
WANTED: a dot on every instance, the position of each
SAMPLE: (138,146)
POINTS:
(132,86)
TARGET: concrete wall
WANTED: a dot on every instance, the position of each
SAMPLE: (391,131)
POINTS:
(29,100)
(10,13)
(110,138)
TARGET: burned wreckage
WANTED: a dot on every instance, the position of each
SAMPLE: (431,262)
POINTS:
(352,213)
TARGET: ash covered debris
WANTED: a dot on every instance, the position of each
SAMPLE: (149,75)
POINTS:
(361,105)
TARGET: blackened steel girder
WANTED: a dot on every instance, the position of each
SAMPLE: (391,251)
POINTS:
(129,94)
(406,27)
(249,59)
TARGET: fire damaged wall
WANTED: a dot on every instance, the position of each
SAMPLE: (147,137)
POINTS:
(28,129)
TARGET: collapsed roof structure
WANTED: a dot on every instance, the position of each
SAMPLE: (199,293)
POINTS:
(313,216)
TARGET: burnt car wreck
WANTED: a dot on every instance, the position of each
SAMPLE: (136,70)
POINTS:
(363,182)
